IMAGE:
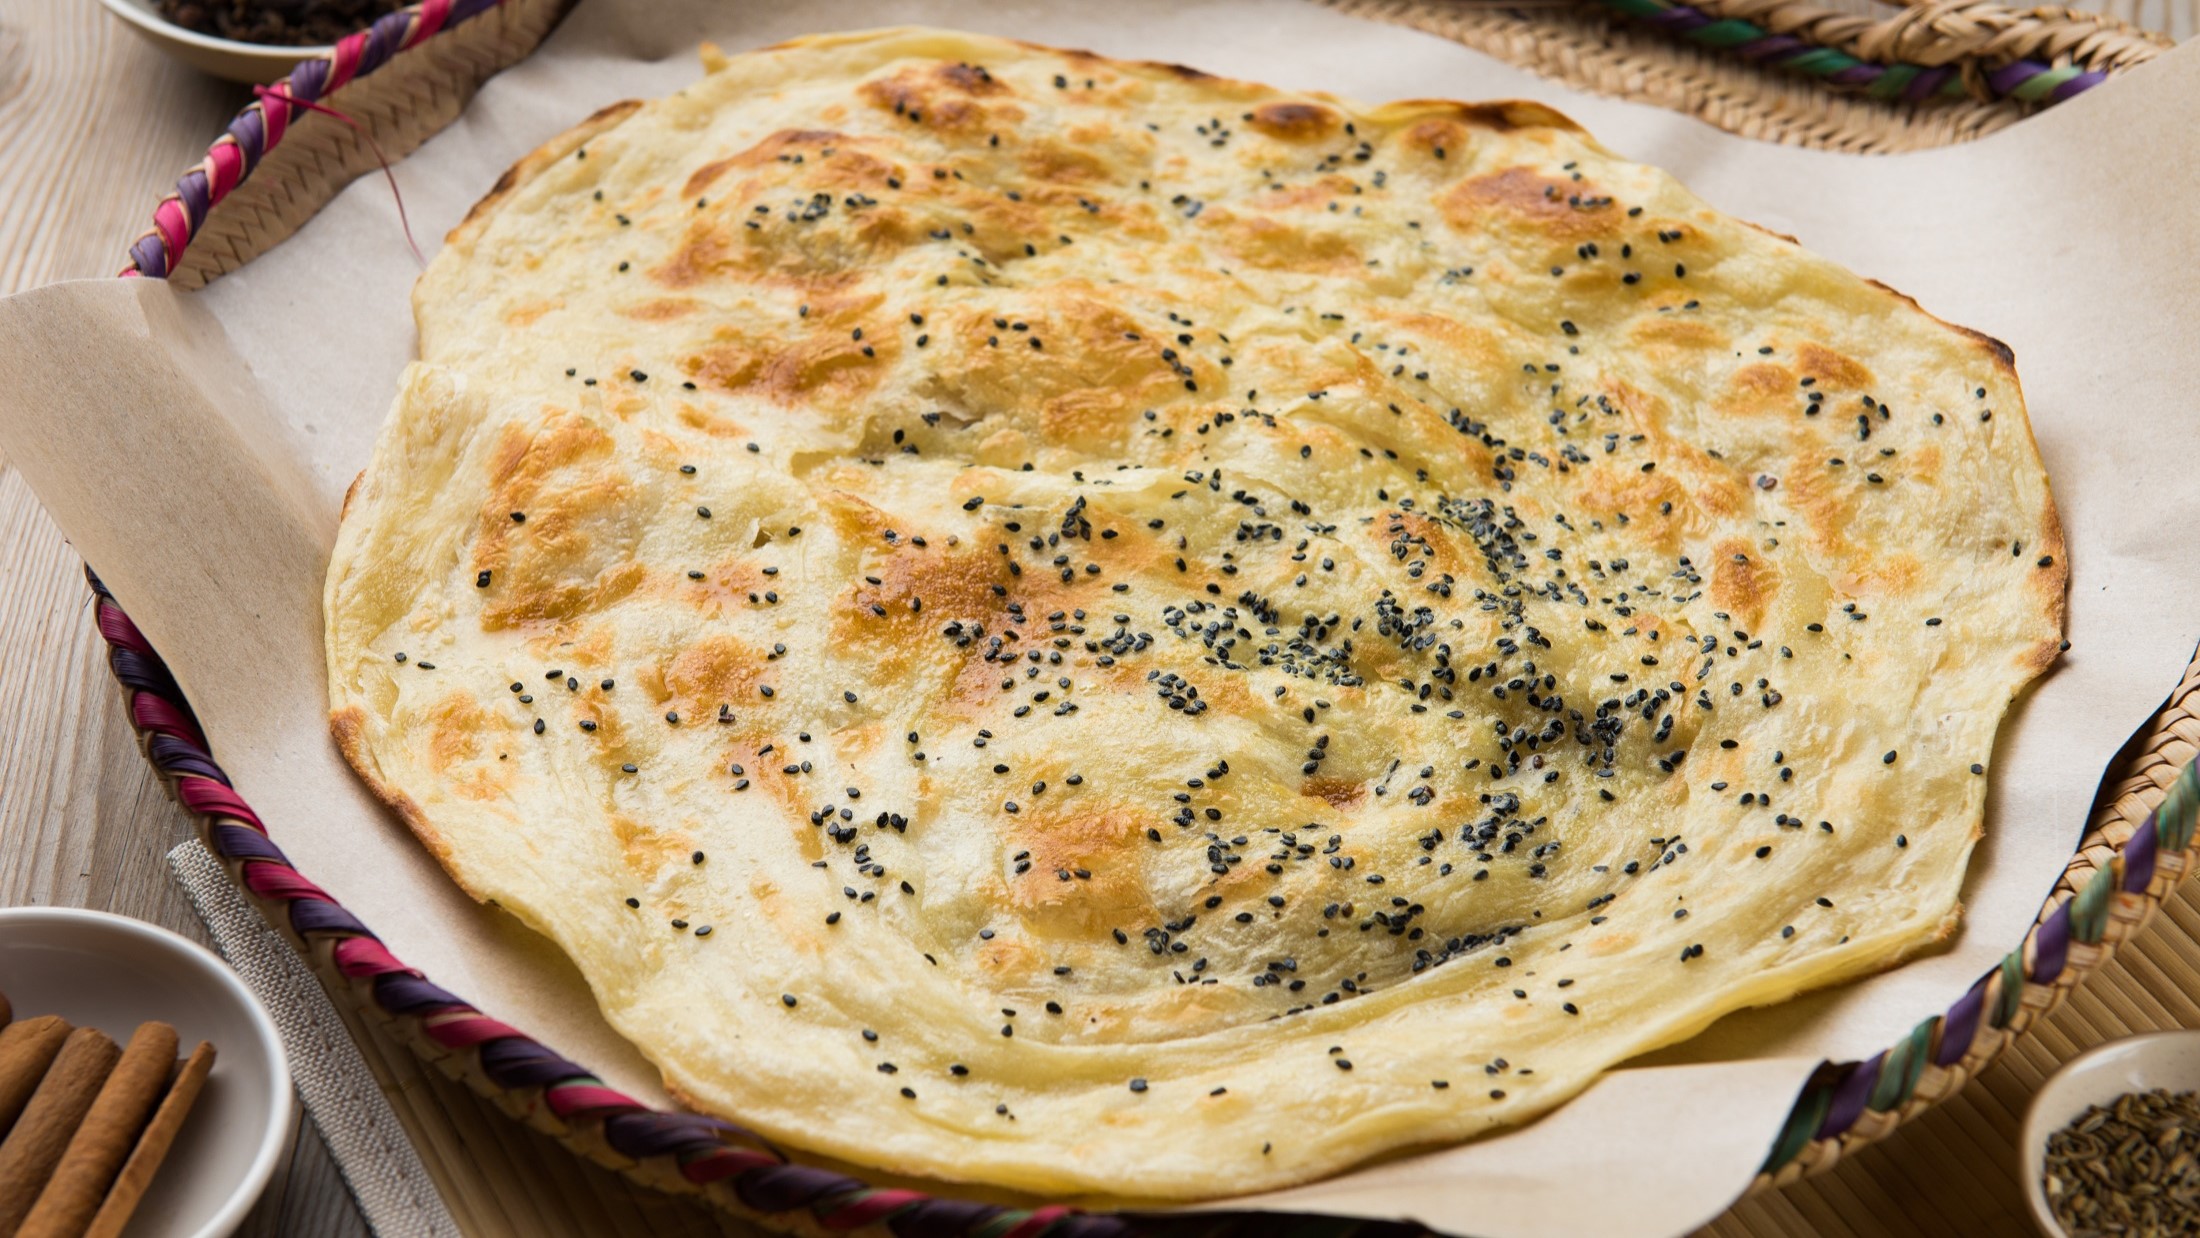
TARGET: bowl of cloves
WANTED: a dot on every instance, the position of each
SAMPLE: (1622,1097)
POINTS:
(253,41)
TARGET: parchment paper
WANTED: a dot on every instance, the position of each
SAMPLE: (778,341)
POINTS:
(204,487)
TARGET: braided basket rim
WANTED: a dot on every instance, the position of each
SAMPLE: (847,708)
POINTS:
(2117,877)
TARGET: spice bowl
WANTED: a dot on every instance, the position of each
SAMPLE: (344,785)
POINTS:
(2165,1060)
(251,63)
(112,973)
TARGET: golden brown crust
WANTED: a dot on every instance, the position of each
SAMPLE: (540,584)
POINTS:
(1194,613)
(1500,115)
(347,726)
(535,161)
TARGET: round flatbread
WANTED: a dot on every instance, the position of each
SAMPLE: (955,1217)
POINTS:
(1077,625)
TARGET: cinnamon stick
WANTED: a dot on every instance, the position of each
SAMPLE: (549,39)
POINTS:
(110,1128)
(137,1172)
(26,1050)
(34,1146)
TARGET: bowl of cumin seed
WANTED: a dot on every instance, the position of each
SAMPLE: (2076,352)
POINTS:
(2111,1142)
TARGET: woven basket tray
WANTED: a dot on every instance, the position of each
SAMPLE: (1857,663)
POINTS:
(1930,74)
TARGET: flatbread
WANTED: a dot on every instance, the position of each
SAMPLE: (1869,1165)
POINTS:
(1081,626)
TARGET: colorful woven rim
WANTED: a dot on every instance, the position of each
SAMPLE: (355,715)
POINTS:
(260,127)
(713,1155)
(2028,81)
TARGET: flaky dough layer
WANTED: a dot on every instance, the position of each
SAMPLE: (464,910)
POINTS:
(1076,625)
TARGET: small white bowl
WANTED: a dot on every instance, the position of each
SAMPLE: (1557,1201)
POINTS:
(252,63)
(112,973)
(2169,1060)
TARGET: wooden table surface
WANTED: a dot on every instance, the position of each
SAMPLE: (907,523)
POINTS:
(94,126)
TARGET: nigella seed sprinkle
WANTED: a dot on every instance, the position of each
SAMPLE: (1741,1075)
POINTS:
(1138,1085)
(787,1000)
(1344,1063)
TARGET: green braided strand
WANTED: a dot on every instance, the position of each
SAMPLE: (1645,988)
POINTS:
(1802,1125)
(2089,909)
(2011,997)
(2179,811)
(1905,1065)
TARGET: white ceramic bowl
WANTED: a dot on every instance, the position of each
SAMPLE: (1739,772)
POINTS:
(226,58)
(112,973)
(2134,1064)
